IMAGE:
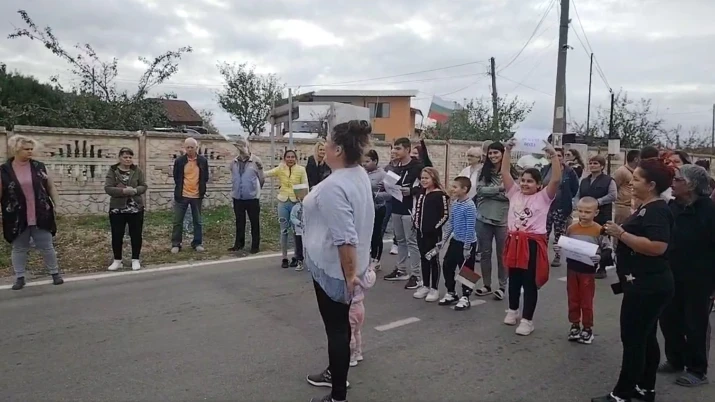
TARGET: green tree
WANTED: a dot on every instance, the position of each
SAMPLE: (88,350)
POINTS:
(247,96)
(475,122)
(95,101)
(633,122)
(207,116)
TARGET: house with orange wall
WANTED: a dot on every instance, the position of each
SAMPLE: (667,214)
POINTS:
(390,112)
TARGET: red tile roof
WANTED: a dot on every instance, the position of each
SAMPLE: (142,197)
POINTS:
(179,111)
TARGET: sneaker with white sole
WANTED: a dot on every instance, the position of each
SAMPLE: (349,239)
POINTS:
(463,304)
(512,317)
(377,266)
(432,296)
(136,265)
(484,291)
(448,299)
(199,249)
(525,328)
(324,379)
(396,275)
(575,333)
(586,337)
(413,283)
(116,265)
(499,294)
(421,292)
(353,363)
(175,250)
(393,249)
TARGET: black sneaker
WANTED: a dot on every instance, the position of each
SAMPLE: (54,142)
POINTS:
(293,263)
(326,398)
(575,333)
(323,379)
(586,337)
(643,395)
(254,251)
(284,263)
(448,299)
(19,283)
(235,249)
(463,304)
(609,398)
(601,273)
(413,283)
(396,275)
(57,279)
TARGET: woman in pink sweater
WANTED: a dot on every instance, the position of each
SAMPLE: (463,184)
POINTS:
(357,315)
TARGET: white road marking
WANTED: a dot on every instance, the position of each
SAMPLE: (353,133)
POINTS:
(563,279)
(92,277)
(397,324)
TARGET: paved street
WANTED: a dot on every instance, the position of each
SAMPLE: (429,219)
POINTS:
(251,331)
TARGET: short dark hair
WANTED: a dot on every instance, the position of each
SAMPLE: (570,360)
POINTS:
(404,142)
(534,173)
(372,154)
(126,151)
(632,155)
(656,171)
(463,182)
(353,136)
(290,151)
(704,163)
(649,152)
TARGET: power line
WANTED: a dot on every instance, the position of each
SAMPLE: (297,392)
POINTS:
(524,85)
(590,48)
(598,69)
(536,65)
(541,21)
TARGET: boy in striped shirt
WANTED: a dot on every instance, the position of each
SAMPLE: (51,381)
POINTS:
(463,245)
(580,277)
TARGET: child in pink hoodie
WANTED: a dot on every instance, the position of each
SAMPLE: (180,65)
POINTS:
(357,315)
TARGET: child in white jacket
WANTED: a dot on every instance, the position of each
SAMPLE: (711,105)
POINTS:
(357,315)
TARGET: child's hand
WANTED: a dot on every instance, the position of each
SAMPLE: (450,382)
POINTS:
(596,258)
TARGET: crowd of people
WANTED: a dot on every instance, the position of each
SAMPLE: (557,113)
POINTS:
(654,220)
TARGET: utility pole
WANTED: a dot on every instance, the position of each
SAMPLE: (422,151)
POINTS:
(610,130)
(559,126)
(712,138)
(290,118)
(588,111)
(495,100)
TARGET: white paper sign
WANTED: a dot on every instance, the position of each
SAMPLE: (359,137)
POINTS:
(531,141)
(391,187)
(578,250)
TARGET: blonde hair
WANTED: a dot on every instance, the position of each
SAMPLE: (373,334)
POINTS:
(316,147)
(16,142)
(434,175)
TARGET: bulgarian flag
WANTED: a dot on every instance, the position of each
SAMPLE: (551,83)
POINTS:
(440,109)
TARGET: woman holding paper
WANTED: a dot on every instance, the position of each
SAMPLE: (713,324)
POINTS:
(526,254)
(645,280)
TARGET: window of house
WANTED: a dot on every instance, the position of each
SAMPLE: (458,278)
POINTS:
(378,137)
(379,110)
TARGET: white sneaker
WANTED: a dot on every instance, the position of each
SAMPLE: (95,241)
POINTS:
(512,317)
(432,296)
(353,363)
(525,327)
(199,249)
(421,292)
(115,265)
(393,249)
(359,357)
(175,250)
(136,265)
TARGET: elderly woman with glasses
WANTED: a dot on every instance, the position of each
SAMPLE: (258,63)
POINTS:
(685,321)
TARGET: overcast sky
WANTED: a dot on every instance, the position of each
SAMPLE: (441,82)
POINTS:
(659,49)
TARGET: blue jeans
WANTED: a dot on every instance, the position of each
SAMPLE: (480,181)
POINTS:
(284,208)
(180,208)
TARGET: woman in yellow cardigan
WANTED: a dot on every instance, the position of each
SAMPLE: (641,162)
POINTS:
(289,173)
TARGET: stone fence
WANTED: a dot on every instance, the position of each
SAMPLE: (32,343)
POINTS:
(78,161)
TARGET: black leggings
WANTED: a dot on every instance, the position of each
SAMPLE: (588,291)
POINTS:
(118,223)
(337,327)
(526,279)
(641,352)
(430,268)
(377,233)
(453,260)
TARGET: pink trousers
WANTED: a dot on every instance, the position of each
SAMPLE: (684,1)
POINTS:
(357,318)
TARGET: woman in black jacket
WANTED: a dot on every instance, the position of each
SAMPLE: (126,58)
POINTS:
(316,168)
(685,321)
(431,213)
(645,279)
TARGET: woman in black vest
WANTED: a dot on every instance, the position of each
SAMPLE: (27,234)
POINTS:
(603,188)
(28,197)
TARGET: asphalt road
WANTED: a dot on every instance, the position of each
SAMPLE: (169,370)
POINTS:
(251,331)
